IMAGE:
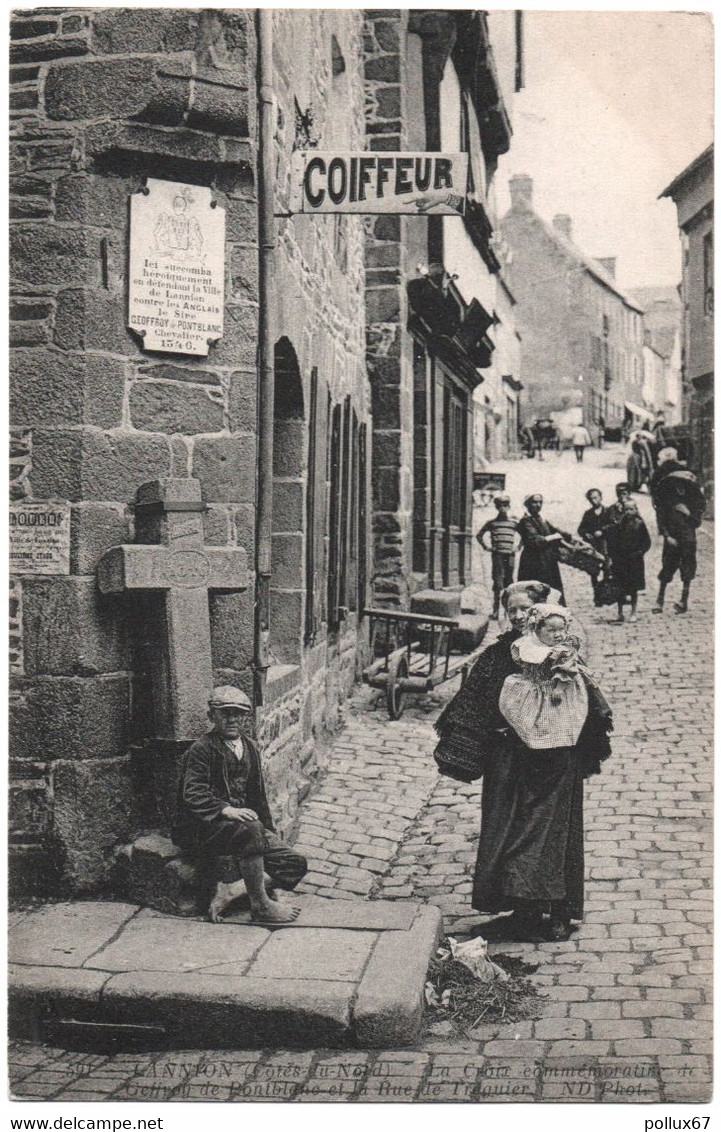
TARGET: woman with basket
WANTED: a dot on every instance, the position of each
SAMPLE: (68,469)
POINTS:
(540,542)
(530,855)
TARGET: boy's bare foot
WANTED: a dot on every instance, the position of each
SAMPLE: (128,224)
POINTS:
(225,894)
(657,609)
(271,912)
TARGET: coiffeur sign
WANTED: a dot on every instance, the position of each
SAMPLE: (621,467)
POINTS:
(416,184)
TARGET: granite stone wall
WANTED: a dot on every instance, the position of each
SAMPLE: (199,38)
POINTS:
(388,350)
(101,99)
(320,299)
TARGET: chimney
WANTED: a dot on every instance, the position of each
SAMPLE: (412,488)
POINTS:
(609,265)
(563,225)
(521,187)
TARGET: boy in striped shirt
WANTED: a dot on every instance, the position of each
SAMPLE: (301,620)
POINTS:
(504,543)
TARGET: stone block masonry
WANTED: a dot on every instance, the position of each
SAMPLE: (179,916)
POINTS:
(101,100)
(98,414)
(388,349)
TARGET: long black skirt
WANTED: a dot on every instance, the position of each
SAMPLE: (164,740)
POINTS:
(531,846)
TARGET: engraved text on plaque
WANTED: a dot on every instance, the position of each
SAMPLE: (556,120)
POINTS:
(177,266)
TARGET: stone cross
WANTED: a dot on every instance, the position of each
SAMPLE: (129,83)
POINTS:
(171,559)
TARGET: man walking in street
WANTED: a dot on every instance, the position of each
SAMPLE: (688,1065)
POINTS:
(502,531)
(223,813)
(581,439)
(680,504)
(667,462)
(679,554)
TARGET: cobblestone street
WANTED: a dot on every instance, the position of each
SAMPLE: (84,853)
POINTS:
(628,1012)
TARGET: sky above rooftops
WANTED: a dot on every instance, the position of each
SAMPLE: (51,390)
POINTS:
(615,105)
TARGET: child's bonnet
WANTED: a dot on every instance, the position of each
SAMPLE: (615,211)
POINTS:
(546,703)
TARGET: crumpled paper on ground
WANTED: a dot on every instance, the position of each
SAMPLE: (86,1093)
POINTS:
(473,954)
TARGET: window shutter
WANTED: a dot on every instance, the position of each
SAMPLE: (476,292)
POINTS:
(362,517)
(344,526)
(334,516)
(311,509)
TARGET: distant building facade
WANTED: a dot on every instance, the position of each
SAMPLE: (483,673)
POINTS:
(663,324)
(582,335)
(653,392)
(497,401)
(692,192)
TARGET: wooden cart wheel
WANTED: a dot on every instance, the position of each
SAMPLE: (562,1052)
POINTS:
(395,696)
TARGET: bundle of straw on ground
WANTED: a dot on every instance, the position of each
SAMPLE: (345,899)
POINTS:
(467,1001)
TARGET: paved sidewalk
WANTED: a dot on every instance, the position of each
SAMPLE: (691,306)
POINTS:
(628,1013)
(345,973)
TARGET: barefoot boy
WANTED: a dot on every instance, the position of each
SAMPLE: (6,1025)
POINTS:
(223,812)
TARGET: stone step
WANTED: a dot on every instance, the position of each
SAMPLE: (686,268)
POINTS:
(473,599)
(357,982)
(153,872)
(472,628)
(437,603)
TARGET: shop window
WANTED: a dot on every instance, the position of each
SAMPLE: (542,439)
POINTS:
(289,474)
(347,514)
(315,506)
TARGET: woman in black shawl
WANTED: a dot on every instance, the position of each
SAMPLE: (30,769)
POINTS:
(539,547)
(530,855)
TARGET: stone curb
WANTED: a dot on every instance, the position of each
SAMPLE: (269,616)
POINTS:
(217,1012)
(232,1012)
(388,1010)
(238,1011)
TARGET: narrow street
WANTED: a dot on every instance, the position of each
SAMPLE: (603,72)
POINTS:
(627,1017)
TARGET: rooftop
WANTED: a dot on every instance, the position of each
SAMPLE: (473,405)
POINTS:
(696,165)
(522,199)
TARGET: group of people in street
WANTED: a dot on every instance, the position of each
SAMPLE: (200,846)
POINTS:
(544,435)
(537,539)
(620,536)
(617,534)
(531,719)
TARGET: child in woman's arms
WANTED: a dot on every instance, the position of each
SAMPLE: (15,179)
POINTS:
(546,703)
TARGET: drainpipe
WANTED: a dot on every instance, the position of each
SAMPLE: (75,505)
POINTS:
(266,343)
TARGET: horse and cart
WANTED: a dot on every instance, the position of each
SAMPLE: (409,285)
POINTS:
(541,436)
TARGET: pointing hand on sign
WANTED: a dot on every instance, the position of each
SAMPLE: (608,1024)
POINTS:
(437,197)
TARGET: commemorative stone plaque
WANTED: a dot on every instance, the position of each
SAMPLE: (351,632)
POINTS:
(39,538)
(177,267)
